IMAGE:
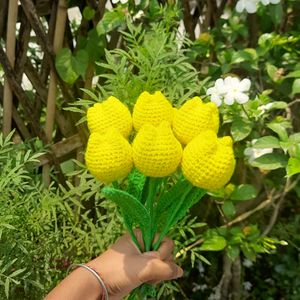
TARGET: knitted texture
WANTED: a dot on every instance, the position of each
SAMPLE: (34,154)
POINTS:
(110,113)
(109,156)
(208,162)
(156,151)
(193,118)
(152,109)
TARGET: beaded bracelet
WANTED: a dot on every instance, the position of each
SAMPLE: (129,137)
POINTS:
(105,293)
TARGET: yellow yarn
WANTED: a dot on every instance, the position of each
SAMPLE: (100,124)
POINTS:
(156,151)
(110,113)
(208,161)
(152,109)
(193,118)
(109,156)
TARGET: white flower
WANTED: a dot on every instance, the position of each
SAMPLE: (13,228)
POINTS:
(265,107)
(236,90)
(138,15)
(247,285)
(229,90)
(249,5)
(247,263)
(267,2)
(217,91)
(117,1)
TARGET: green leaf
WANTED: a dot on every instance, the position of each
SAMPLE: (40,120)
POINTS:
(278,105)
(233,252)
(248,252)
(17,272)
(293,166)
(295,138)
(80,62)
(240,128)
(135,211)
(279,129)
(178,208)
(95,45)
(244,192)
(296,86)
(88,13)
(194,196)
(276,13)
(270,161)
(267,142)
(110,21)
(293,74)
(6,287)
(228,209)
(64,67)
(273,72)
(214,243)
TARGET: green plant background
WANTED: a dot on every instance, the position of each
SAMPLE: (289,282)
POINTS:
(241,242)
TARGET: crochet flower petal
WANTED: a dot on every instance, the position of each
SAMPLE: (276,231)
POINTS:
(208,162)
(156,151)
(108,157)
(151,109)
(193,118)
(110,113)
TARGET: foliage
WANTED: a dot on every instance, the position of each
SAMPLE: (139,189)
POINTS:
(42,230)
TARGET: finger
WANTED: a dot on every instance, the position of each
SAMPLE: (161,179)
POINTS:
(166,248)
(157,270)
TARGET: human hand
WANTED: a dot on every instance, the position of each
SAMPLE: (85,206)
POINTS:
(123,267)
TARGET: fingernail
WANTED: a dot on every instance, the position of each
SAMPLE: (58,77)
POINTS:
(180,273)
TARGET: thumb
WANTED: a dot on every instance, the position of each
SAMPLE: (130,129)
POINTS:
(158,270)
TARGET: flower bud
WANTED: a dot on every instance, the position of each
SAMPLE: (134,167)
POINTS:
(208,161)
(193,118)
(156,151)
(151,109)
(109,156)
(110,113)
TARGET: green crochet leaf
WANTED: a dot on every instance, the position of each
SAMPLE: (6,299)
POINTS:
(130,225)
(178,209)
(135,212)
(194,196)
(136,182)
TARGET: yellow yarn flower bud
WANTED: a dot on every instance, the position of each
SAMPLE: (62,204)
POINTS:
(109,156)
(156,151)
(152,109)
(110,113)
(208,161)
(194,117)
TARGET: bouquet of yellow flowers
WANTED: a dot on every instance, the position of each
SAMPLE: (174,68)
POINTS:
(147,147)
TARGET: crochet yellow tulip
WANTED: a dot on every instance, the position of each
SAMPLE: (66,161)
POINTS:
(208,161)
(109,156)
(156,151)
(110,113)
(193,118)
(152,109)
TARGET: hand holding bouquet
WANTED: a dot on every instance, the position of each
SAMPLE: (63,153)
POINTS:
(168,157)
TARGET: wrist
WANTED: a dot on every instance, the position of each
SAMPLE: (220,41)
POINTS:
(90,285)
